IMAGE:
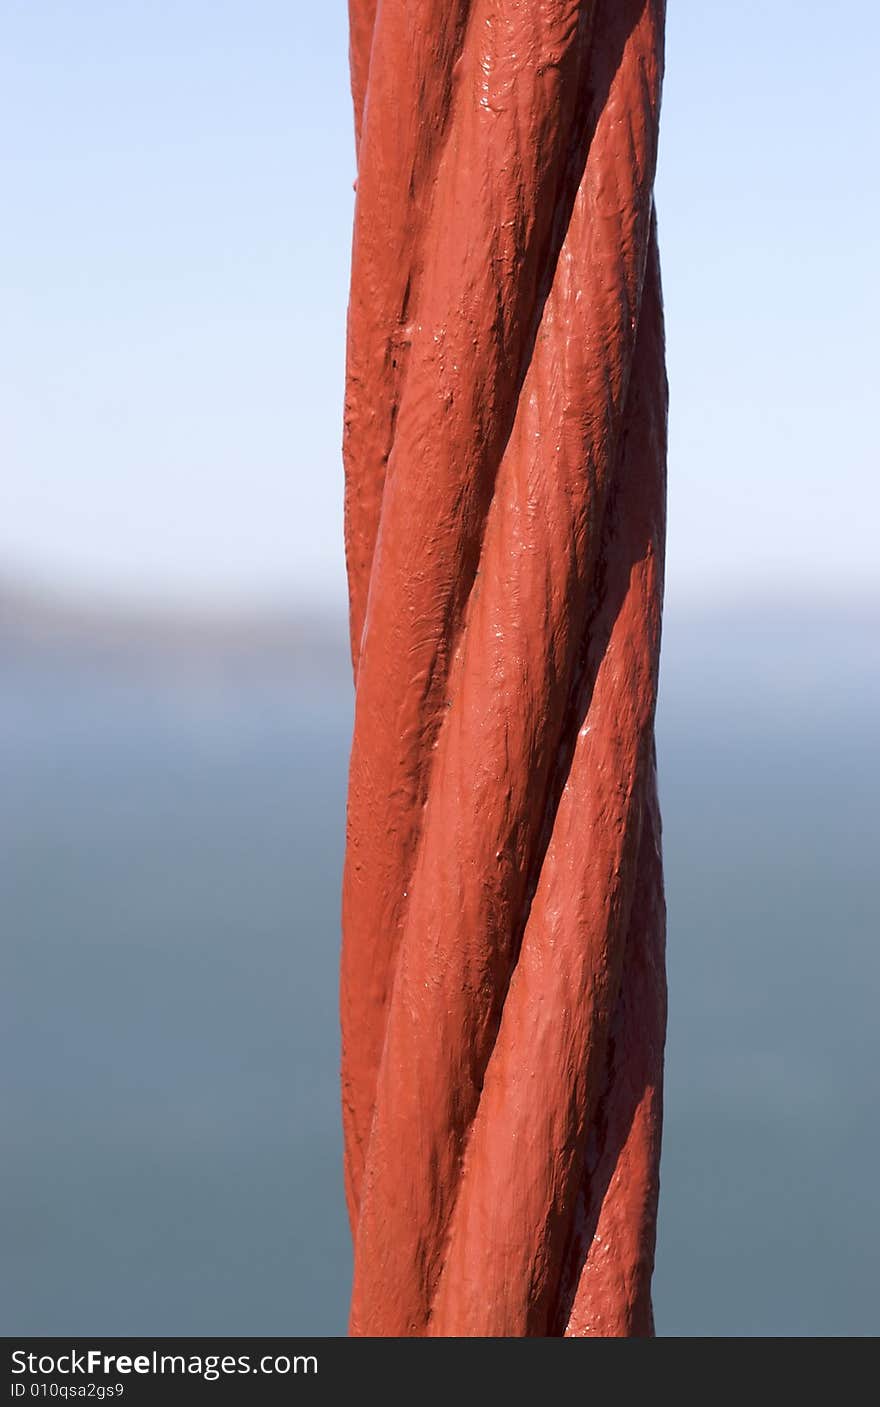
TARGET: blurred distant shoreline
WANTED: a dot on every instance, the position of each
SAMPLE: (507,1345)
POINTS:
(38,622)
(725,648)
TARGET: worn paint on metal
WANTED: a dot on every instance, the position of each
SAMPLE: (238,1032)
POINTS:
(503,990)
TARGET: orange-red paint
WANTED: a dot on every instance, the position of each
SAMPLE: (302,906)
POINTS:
(503,996)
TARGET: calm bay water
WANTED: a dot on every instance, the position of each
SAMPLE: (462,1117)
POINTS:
(169,878)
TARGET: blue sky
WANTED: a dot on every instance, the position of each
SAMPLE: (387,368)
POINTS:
(173,269)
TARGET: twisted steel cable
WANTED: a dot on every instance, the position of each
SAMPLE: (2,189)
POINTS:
(503,990)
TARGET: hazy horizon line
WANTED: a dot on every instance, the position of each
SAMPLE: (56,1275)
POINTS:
(35,594)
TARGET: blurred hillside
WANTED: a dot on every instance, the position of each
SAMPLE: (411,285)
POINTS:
(40,625)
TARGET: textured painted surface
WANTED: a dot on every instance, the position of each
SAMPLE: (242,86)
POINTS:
(503,995)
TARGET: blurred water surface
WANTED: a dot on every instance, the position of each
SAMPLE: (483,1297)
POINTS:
(172,828)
